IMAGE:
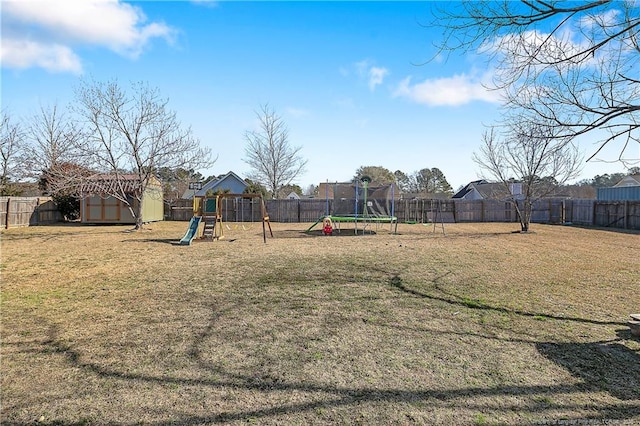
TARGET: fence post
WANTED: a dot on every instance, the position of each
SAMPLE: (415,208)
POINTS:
(455,212)
(37,211)
(626,214)
(6,225)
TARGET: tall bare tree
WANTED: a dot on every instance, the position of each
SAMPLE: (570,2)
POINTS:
(11,145)
(130,135)
(573,65)
(274,161)
(532,156)
(51,154)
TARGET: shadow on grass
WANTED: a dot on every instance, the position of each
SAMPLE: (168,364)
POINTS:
(396,282)
(83,230)
(601,367)
(609,229)
(612,368)
(171,241)
(342,233)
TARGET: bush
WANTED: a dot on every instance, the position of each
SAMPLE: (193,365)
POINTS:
(68,206)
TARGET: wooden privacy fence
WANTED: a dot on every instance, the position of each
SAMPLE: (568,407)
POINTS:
(30,211)
(615,214)
(27,211)
(178,210)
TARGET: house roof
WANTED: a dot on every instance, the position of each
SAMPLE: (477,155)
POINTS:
(631,180)
(215,184)
(468,188)
(102,183)
(485,189)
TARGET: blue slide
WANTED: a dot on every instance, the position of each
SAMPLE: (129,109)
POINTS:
(191,232)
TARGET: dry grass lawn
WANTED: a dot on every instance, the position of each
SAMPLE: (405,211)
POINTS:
(479,326)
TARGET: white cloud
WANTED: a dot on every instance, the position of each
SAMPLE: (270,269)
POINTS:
(117,26)
(607,19)
(565,48)
(365,70)
(449,91)
(52,57)
(376,76)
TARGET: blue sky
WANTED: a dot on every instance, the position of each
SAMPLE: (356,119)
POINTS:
(354,81)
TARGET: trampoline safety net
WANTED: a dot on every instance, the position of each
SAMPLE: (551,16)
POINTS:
(356,199)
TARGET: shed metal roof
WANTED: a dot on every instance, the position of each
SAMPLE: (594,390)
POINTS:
(109,183)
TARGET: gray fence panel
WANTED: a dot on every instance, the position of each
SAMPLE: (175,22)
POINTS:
(618,214)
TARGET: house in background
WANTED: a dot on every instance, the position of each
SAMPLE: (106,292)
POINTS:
(231,183)
(628,189)
(293,196)
(97,206)
(631,180)
(484,190)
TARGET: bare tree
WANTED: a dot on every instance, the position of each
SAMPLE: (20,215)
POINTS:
(11,144)
(311,189)
(274,161)
(532,157)
(51,154)
(130,136)
(573,65)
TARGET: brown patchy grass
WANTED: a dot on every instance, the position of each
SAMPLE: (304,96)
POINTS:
(481,326)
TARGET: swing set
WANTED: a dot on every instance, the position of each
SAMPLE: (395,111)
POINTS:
(214,212)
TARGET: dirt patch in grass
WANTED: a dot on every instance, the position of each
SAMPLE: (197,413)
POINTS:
(478,326)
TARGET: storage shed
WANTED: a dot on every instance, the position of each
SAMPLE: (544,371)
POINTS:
(97,206)
(628,189)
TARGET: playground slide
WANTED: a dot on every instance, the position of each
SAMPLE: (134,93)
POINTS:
(191,231)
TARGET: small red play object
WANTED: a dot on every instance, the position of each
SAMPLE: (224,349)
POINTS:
(327,226)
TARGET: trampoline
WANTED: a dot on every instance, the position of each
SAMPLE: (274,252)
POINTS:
(366,210)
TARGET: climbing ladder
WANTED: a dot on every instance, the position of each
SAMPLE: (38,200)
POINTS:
(209,230)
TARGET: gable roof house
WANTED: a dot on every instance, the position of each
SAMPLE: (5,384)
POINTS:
(628,189)
(293,196)
(631,180)
(231,183)
(97,206)
(484,190)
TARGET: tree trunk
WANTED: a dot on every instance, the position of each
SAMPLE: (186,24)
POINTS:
(138,223)
(526,216)
(138,215)
(136,212)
